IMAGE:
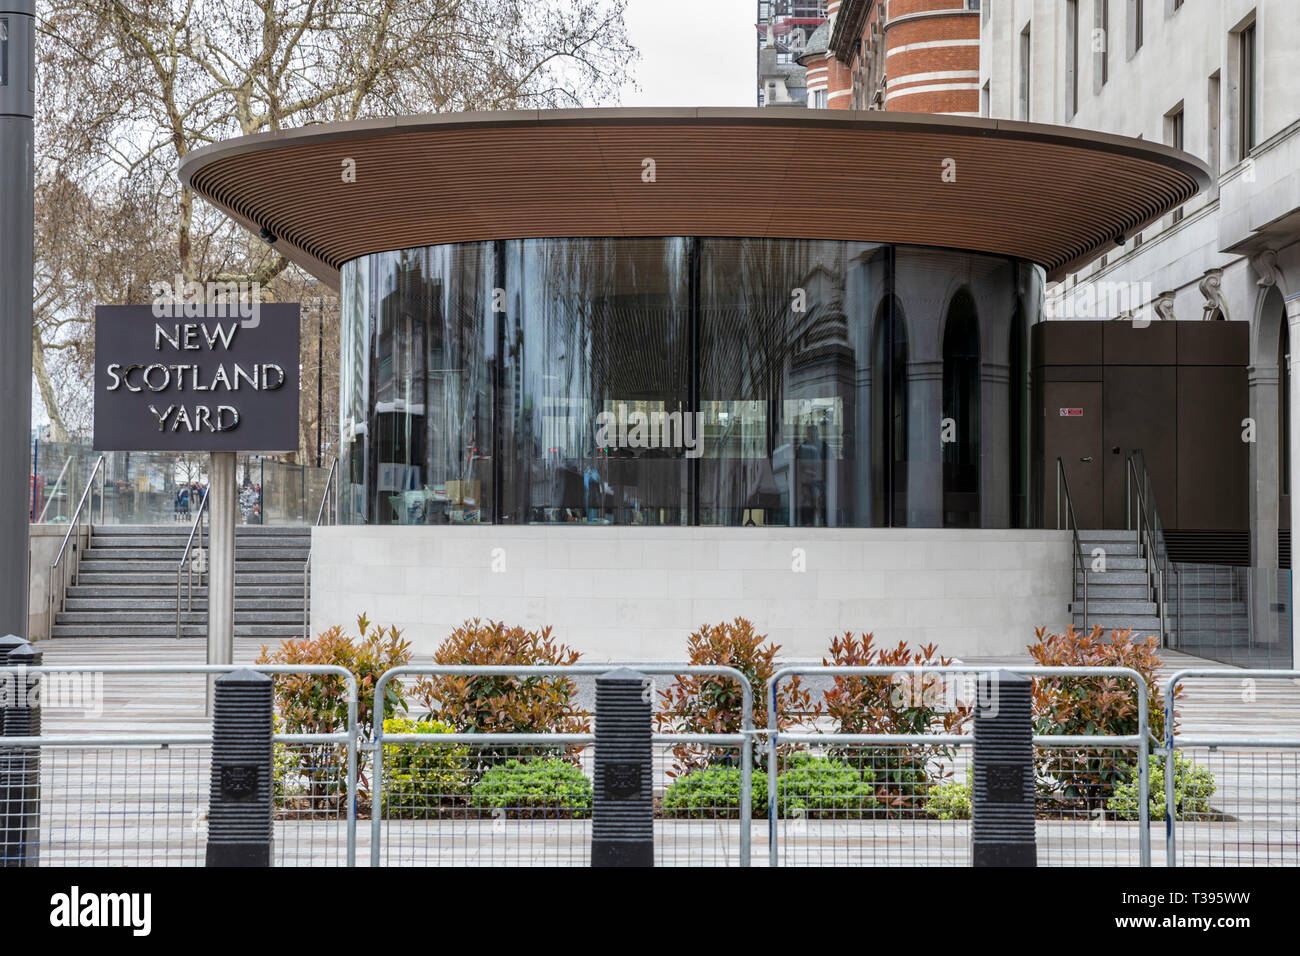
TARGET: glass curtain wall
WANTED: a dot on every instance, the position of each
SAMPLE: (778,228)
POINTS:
(687,381)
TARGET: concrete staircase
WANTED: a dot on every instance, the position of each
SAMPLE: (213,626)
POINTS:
(1121,596)
(127,584)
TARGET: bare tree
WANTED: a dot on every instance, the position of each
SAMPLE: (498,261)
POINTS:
(131,87)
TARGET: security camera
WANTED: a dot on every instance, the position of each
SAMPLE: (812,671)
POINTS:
(267,236)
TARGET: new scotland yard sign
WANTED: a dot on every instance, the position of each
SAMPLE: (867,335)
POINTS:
(205,378)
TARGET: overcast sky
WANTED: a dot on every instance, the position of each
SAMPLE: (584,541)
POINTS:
(693,52)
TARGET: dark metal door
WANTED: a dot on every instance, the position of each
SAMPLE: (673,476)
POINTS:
(1072,431)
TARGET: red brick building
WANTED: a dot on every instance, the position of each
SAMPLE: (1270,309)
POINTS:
(915,56)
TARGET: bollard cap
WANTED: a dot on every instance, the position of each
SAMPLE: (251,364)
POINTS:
(10,643)
(25,654)
(622,675)
(244,675)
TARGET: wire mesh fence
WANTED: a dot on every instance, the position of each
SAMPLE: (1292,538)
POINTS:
(1238,806)
(119,805)
(458,803)
(1234,793)
(845,802)
(310,803)
(1086,804)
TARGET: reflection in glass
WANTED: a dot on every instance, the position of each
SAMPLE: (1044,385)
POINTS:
(961,407)
(596,390)
(673,381)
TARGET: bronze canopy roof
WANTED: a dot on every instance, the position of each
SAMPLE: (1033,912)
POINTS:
(1052,195)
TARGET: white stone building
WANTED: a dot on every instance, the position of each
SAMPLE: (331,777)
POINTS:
(1219,79)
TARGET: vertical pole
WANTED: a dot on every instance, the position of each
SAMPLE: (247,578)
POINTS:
(320,375)
(20,767)
(622,809)
(240,811)
(1292,303)
(221,561)
(1002,793)
(17,109)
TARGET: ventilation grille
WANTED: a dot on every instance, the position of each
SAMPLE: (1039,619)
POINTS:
(1209,547)
(1284,548)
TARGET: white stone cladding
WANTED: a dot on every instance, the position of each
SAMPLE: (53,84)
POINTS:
(636,593)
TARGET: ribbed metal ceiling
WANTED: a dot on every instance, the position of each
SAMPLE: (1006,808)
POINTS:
(1052,195)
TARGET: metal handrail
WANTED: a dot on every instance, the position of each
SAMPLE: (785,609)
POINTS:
(187,559)
(1063,483)
(330,493)
(1150,535)
(57,567)
(49,498)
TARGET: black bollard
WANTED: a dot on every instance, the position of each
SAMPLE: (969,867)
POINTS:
(1002,795)
(20,767)
(622,812)
(240,813)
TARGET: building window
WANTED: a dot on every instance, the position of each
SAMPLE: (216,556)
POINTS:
(819,99)
(1246,92)
(1212,137)
(1135,13)
(1174,137)
(986,99)
(1024,71)
(1071,57)
(1101,41)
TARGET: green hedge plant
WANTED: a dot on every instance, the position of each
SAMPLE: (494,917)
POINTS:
(542,787)
(1193,787)
(420,780)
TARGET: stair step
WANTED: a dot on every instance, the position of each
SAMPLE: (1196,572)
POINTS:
(1116,562)
(168,591)
(1138,608)
(169,567)
(103,577)
(183,528)
(282,616)
(111,605)
(173,555)
(264,631)
(1140,625)
(178,541)
(1113,576)
(1115,592)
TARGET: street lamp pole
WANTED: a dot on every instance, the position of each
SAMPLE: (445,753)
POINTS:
(17,113)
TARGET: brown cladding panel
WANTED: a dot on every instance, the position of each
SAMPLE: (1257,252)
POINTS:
(1067,343)
(1212,459)
(1213,343)
(1141,412)
(1125,343)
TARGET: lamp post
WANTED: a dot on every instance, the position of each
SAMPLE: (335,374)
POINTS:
(17,111)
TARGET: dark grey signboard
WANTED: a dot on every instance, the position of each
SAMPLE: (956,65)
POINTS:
(205,378)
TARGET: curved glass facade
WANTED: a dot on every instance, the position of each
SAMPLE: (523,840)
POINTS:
(687,381)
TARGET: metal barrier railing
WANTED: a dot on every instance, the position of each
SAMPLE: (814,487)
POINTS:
(907,779)
(59,567)
(481,823)
(52,492)
(329,493)
(1079,562)
(187,562)
(1264,796)
(134,797)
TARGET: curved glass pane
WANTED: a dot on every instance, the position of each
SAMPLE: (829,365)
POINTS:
(674,381)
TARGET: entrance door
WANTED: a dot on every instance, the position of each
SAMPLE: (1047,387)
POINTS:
(1072,431)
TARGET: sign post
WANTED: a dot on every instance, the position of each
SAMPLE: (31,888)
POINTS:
(17,109)
(201,376)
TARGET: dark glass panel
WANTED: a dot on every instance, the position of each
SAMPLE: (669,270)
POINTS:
(597,379)
(961,408)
